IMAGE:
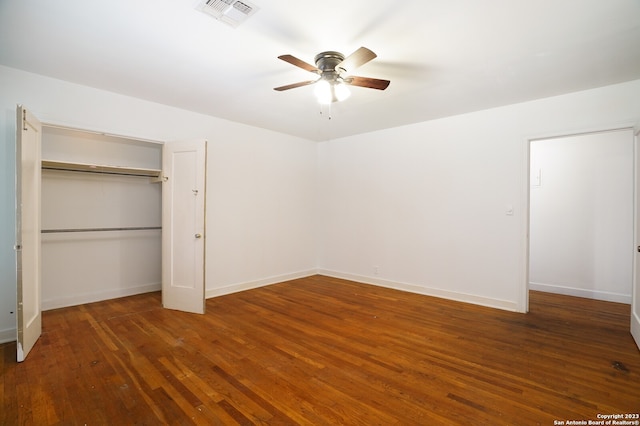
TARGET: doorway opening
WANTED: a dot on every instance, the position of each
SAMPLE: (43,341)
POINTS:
(581,215)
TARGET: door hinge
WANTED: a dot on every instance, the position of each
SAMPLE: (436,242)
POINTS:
(24,119)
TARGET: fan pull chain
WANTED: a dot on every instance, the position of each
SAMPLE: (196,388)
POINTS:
(325,110)
(329,112)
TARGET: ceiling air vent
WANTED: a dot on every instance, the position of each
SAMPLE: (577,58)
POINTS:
(231,12)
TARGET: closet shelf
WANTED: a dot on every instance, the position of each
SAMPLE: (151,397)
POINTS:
(99,168)
(129,228)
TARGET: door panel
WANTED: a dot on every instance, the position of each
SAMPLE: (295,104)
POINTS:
(183,226)
(28,172)
(635,293)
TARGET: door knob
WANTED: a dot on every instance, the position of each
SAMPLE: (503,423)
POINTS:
(198,235)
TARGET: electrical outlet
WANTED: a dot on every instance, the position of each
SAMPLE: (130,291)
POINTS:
(376,270)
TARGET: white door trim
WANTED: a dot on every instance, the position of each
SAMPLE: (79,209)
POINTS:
(635,290)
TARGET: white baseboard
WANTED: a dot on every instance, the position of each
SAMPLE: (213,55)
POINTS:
(579,292)
(427,291)
(635,328)
(8,335)
(248,285)
(79,299)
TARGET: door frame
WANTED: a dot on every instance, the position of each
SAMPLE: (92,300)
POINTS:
(523,299)
(635,286)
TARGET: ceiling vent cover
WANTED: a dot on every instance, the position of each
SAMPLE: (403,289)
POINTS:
(231,12)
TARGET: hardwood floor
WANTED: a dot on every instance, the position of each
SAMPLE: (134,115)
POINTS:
(325,351)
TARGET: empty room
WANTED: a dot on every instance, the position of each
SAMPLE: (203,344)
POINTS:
(250,212)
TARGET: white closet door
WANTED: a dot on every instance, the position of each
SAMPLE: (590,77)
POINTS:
(28,171)
(635,294)
(183,225)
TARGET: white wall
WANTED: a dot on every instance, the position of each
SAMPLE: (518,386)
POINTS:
(425,203)
(581,215)
(424,207)
(7,224)
(260,185)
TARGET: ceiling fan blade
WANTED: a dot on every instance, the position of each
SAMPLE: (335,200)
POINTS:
(294,85)
(356,59)
(299,63)
(371,83)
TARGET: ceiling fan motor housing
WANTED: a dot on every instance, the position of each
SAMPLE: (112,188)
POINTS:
(327,62)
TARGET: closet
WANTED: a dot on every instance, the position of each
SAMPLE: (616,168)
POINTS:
(101,217)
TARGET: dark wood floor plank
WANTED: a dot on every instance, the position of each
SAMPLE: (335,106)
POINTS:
(322,350)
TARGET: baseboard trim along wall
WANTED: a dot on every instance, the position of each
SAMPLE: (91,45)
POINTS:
(10,334)
(580,292)
(79,299)
(426,291)
(248,285)
(635,328)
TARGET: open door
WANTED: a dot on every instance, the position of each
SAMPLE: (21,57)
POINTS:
(28,171)
(635,293)
(183,225)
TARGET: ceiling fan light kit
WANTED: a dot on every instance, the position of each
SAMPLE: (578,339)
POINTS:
(327,92)
(332,68)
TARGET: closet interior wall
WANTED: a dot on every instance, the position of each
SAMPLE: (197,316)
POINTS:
(101,226)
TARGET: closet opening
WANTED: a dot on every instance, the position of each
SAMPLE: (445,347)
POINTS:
(101,215)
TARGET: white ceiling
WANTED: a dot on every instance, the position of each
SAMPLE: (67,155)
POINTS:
(443,57)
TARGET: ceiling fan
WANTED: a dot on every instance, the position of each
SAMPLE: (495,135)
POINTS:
(332,68)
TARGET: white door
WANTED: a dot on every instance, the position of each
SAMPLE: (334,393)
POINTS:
(183,225)
(635,294)
(28,170)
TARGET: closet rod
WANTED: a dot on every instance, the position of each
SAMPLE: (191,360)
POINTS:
(131,228)
(100,170)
